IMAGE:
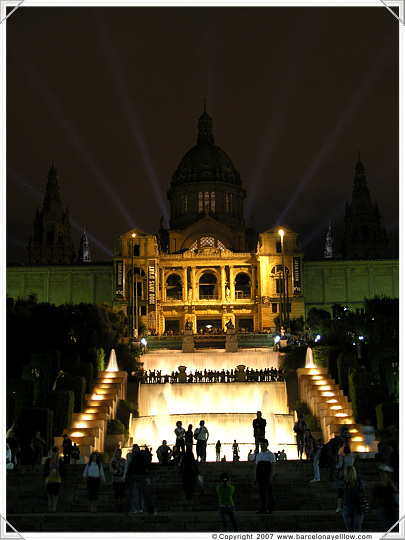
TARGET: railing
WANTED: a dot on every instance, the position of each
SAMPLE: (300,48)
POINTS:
(208,297)
(241,295)
(255,340)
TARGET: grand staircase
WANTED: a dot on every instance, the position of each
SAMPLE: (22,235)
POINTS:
(301,506)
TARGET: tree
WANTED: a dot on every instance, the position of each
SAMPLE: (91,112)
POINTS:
(319,320)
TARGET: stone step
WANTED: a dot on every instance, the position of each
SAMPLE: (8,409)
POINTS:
(189,521)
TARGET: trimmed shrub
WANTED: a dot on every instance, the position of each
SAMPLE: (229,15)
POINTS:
(62,404)
(86,370)
(125,408)
(21,395)
(100,355)
(345,361)
(78,387)
(321,355)
(116,427)
(361,395)
(387,415)
(292,360)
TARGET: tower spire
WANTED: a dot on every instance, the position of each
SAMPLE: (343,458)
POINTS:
(329,244)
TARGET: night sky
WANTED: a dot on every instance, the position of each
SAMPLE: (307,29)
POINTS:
(114,95)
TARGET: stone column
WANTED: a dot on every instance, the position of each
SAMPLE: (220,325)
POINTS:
(223,284)
(184,288)
(232,283)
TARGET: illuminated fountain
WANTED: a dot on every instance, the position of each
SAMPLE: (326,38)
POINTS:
(309,359)
(112,362)
(228,409)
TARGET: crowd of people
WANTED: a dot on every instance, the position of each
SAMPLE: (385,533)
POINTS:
(134,491)
(212,376)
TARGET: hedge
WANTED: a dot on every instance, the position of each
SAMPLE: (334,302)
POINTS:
(78,386)
(361,395)
(62,404)
(86,370)
(20,394)
(387,415)
(345,361)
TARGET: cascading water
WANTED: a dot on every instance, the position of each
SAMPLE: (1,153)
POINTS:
(112,362)
(228,409)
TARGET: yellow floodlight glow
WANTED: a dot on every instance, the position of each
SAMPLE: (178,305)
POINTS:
(357,439)
(332,401)
(281,233)
(336,407)
(341,414)
(328,394)
(82,425)
(77,434)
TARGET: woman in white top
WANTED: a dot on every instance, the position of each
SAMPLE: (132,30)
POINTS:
(94,474)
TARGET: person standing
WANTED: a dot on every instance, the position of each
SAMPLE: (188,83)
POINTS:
(179,432)
(259,429)
(265,470)
(352,486)
(344,461)
(53,473)
(386,499)
(117,468)
(317,457)
(75,455)
(67,449)
(201,435)
(225,492)
(38,445)
(189,473)
(94,475)
(188,437)
(235,451)
(140,488)
(299,430)
(218,451)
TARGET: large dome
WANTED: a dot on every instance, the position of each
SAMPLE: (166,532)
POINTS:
(206,161)
(206,182)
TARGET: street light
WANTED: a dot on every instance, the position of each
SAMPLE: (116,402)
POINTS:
(281,233)
(132,290)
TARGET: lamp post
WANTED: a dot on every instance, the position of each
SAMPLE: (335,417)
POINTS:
(288,302)
(281,233)
(132,290)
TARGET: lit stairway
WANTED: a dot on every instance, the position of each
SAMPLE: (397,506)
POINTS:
(88,428)
(327,402)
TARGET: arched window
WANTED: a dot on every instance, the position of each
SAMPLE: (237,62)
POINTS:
(208,287)
(207,241)
(242,286)
(173,287)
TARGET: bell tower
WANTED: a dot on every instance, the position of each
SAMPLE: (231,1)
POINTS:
(364,236)
(51,242)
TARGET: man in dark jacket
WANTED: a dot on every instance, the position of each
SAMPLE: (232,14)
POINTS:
(259,429)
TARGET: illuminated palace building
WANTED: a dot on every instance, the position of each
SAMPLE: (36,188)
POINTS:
(208,268)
